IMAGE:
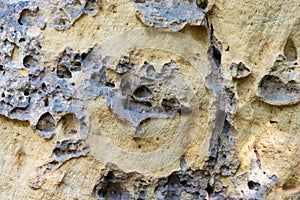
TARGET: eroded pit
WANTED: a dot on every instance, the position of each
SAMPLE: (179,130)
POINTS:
(281,85)
(46,124)
(290,50)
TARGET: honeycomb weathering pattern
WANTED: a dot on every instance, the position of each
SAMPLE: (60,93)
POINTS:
(52,93)
(169,81)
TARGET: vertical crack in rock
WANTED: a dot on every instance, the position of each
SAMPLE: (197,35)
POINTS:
(281,85)
(223,158)
(165,13)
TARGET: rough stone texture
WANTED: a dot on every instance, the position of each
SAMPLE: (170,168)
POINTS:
(95,104)
(170,14)
(280,86)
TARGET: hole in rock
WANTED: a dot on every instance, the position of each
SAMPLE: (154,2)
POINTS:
(91,6)
(290,50)
(209,189)
(46,102)
(216,54)
(26,18)
(63,72)
(44,87)
(253,185)
(71,124)
(109,84)
(46,123)
(273,90)
(29,61)
(142,92)
(21,40)
(171,105)
(26,93)
(202,3)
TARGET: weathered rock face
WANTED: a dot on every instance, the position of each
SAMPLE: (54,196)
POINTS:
(147,99)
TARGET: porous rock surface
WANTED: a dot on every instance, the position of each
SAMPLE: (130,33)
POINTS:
(147,99)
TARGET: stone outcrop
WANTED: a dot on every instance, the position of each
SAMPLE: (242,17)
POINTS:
(147,99)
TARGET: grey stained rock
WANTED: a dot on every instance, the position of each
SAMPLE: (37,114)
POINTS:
(223,158)
(51,94)
(281,85)
(64,150)
(115,184)
(239,70)
(66,12)
(170,14)
(137,98)
(255,184)
(189,184)
(41,93)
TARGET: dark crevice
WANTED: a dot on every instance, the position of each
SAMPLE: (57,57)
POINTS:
(290,50)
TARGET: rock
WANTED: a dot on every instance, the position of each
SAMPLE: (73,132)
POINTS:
(281,85)
(144,100)
(239,70)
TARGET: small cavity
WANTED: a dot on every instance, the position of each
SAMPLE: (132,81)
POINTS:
(253,185)
(142,92)
(274,91)
(239,70)
(63,72)
(91,7)
(216,55)
(30,62)
(46,123)
(27,18)
(202,3)
(290,50)
(171,105)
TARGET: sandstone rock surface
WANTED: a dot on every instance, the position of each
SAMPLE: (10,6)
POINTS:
(146,99)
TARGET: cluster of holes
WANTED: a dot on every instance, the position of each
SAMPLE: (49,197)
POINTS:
(69,62)
(70,11)
(178,184)
(69,147)
(110,187)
